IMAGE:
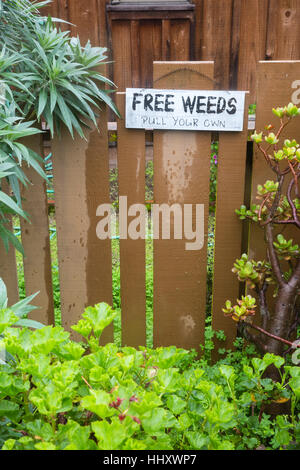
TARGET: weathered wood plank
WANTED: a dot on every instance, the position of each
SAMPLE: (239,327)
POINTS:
(36,240)
(121,41)
(181,175)
(228,229)
(274,88)
(80,170)
(251,47)
(283,38)
(84,19)
(131,172)
(215,38)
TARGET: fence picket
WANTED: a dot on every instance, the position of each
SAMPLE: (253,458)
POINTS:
(131,174)
(36,240)
(80,170)
(181,175)
(228,228)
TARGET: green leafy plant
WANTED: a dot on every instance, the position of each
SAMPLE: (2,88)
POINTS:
(48,76)
(278,208)
(12,155)
(57,394)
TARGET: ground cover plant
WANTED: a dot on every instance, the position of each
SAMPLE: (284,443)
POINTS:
(60,394)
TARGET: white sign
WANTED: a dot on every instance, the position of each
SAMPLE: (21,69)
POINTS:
(203,110)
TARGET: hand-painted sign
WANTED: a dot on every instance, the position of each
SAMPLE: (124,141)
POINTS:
(204,110)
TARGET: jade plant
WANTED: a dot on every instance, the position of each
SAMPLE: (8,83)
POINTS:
(277,209)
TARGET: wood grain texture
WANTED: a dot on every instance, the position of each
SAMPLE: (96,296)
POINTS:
(251,44)
(36,240)
(228,228)
(283,35)
(80,170)
(121,42)
(84,19)
(131,173)
(215,38)
(180,40)
(98,267)
(181,175)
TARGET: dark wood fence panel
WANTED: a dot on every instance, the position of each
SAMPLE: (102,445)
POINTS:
(213,38)
(283,34)
(36,241)
(181,175)
(131,177)
(249,44)
(233,33)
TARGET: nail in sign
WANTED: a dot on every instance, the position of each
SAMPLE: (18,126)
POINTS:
(203,110)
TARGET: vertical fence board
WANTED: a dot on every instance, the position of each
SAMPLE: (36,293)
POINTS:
(215,38)
(283,38)
(146,53)
(8,266)
(121,41)
(131,172)
(80,170)
(274,88)
(274,81)
(181,175)
(180,40)
(252,43)
(99,255)
(228,228)
(36,240)
(84,19)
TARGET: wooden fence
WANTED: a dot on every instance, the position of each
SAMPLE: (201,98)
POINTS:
(181,175)
(235,34)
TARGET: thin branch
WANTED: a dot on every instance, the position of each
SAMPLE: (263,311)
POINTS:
(291,203)
(261,330)
(273,256)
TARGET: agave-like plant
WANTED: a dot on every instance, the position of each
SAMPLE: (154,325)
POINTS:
(53,76)
(47,75)
(12,155)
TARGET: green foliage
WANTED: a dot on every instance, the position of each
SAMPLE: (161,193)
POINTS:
(244,308)
(45,74)
(255,273)
(285,249)
(279,207)
(13,155)
(59,395)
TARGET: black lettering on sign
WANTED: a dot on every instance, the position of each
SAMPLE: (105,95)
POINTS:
(211,105)
(147,102)
(231,106)
(157,102)
(200,105)
(168,104)
(135,101)
(188,104)
(221,105)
